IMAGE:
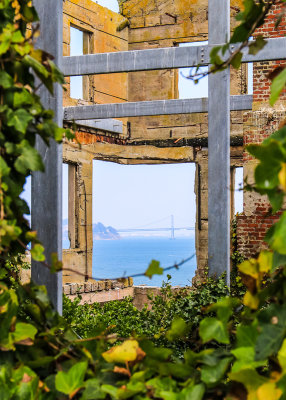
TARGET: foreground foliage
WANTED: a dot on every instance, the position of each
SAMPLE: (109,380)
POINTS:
(125,320)
(41,357)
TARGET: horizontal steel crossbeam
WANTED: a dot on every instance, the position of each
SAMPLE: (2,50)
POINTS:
(156,59)
(150,108)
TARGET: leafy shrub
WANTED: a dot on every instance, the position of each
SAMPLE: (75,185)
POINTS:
(122,318)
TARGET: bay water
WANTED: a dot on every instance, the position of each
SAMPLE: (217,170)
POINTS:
(132,255)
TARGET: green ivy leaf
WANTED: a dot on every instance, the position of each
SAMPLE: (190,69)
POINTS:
(29,159)
(277,237)
(23,97)
(56,264)
(213,329)
(276,199)
(19,119)
(178,329)
(223,308)
(211,375)
(245,358)
(29,13)
(272,325)
(154,269)
(37,252)
(111,390)
(236,61)
(93,390)
(6,81)
(277,86)
(68,382)
(246,335)
(256,45)
(4,169)
(23,332)
(194,392)
(249,378)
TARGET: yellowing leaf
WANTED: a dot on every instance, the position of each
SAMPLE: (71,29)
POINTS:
(154,269)
(282,176)
(249,267)
(123,353)
(269,391)
(282,356)
(251,301)
(265,261)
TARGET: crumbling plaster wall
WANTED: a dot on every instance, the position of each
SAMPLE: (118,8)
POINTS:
(164,139)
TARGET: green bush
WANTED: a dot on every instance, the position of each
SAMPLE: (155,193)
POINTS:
(125,320)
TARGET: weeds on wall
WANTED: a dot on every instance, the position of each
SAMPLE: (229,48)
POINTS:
(41,357)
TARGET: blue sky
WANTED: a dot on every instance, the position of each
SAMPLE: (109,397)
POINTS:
(131,196)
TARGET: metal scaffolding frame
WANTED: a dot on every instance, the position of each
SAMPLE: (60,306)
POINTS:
(47,187)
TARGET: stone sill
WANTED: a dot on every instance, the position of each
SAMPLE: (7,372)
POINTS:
(96,286)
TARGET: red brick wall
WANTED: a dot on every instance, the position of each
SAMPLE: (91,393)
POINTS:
(257,218)
(258,125)
(261,83)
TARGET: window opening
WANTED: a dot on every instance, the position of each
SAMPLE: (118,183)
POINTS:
(250,78)
(187,88)
(26,195)
(137,209)
(65,202)
(238,194)
(79,45)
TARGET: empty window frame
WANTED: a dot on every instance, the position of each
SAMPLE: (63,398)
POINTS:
(187,88)
(79,45)
(142,203)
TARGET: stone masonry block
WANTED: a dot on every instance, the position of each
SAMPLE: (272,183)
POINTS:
(80,288)
(108,284)
(130,281)
(101,285)
(73,288)
(114,284)
(67,289)
(119,285)
(87,287)
(94,286)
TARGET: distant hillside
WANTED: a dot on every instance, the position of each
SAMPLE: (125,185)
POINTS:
(99,231)
(102,232)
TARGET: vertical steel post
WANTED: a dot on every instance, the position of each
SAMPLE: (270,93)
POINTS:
(219,147)
(47,186)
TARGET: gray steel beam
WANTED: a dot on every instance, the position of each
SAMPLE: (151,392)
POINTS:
(156,59)
(47,186)
(135,60)
(219,148)
(150,108)
(109,125)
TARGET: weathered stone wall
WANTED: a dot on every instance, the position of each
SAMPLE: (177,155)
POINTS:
(164,139)
(99,26)
(155,24)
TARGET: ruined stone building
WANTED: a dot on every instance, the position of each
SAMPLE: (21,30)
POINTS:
(165,139)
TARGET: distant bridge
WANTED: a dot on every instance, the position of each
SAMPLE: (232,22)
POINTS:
(186,228)
(170,229)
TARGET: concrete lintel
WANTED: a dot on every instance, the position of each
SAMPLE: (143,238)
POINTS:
(124,154)
(150,108)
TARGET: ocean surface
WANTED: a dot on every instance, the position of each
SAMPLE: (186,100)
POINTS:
(129,256)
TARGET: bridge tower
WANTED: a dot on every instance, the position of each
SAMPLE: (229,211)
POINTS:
(172,227)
